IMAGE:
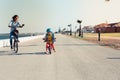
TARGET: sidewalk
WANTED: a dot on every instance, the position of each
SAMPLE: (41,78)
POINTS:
(24,45)
(6,42)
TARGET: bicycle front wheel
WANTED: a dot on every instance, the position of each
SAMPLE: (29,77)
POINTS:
(16,47)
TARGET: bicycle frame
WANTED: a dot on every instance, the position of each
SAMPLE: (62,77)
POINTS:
(49,47)
(15,43)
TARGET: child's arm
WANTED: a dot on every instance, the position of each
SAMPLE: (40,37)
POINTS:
(45,38)
(53,37)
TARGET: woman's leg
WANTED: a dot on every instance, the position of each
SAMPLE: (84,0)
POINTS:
(11,34)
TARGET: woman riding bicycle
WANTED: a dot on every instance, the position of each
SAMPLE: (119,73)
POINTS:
(14,24)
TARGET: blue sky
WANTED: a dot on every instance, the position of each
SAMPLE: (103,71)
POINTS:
(37,15)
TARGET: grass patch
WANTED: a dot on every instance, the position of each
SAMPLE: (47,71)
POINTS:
(103,34)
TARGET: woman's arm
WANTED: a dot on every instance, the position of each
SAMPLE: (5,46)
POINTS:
(21,26)
(10,24)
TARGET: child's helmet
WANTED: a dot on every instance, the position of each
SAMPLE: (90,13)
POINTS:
(48,30)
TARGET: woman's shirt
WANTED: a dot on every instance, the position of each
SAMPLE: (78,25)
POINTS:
(14,25)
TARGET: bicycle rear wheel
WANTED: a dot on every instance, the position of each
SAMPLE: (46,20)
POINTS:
(49,48)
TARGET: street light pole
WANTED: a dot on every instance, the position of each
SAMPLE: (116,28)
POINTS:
(67,30)
(79,21)
(80,30)
(70,29)
(75,30)
(99,31)
(82,33)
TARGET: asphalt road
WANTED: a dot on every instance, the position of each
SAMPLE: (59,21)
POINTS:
(74,60)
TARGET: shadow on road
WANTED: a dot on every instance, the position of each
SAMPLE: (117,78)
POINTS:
(113,58)
(34,53)
(67,44)
(3,51)
(76,45)
(29,45)
(12,53)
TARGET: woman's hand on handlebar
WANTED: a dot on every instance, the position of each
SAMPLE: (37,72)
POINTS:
(22,25)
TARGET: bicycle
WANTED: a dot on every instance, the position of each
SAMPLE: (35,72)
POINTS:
(15,41)
(49,45)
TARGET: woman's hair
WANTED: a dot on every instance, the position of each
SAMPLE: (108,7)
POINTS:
(14,16)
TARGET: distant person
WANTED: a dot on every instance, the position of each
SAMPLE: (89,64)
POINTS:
(14,24)
(49,38)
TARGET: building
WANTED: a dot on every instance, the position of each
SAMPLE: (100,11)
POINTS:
(88,29)
(108,27)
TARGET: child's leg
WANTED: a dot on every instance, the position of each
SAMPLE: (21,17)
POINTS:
(11,33)
(53,47)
